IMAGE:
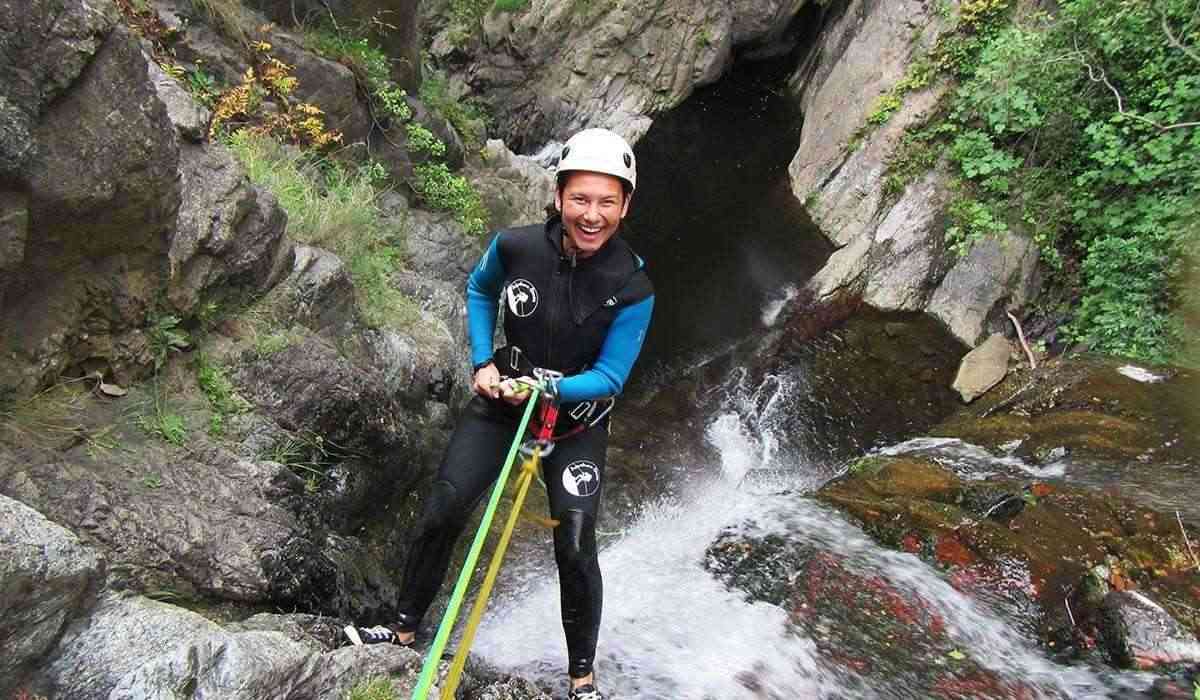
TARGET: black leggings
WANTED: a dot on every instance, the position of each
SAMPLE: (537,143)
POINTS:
(573,473)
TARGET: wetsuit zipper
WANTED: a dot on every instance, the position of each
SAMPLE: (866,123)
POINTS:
(558,299)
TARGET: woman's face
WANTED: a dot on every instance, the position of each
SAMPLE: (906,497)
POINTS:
(592,206)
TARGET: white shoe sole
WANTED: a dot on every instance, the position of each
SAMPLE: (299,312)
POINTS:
(352,634)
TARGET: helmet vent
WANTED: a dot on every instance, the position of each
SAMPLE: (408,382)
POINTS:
(628,160)
(565,151)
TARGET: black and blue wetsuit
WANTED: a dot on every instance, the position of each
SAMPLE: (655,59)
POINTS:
(584,317)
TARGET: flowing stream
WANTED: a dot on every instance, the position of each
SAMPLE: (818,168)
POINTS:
(671,630)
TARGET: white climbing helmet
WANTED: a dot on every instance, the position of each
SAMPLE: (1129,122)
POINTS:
(599,151)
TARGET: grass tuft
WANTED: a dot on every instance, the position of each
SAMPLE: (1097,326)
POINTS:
(378,688)
(333,206)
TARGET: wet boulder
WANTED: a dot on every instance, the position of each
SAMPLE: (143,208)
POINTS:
(1098,422)
(829,386)
(47,578)
(869,631)
(1023,545)
(197,522)
(1139,633)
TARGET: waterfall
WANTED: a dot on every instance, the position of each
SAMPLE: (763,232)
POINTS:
(671,630)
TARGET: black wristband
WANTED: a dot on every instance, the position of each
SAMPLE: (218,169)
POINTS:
(483,364)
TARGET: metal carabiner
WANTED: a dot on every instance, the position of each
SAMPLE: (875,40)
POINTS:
(531,444)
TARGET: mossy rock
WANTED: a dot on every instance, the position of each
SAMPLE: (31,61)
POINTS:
(1089,407)
(1021,541)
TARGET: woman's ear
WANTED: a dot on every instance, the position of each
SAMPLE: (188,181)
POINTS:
(625,207)
(558,200)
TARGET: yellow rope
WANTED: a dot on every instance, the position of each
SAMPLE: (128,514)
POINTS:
(528,470)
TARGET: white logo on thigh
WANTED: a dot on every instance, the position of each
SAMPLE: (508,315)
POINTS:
(522,297)
(581,478)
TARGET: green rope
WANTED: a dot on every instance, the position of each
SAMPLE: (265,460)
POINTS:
(464,578)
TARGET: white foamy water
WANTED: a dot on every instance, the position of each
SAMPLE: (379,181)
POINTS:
(671,631)
(1139,374)
(972,461)
(773,307)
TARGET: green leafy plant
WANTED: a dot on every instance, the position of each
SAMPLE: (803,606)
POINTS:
(422,140)
(369,63)
(442,189)
(153,480)
(394,103)
(219,390)
(202,86)
(166,336)
(1079,130)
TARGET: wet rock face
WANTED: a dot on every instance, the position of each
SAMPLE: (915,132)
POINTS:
(195,524)
(1091,419)
(872,633)
(1023,546)
(47,577)
(835,374)
(1141,634)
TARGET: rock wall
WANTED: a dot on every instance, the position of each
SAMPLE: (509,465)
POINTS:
(891,249)
(111,205)
(555,67)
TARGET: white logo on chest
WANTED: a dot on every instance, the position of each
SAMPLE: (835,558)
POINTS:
(522,297)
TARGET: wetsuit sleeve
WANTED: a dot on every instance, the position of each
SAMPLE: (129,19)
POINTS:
(483,301)
(620,350)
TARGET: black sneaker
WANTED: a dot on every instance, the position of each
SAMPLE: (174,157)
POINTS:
(378,634)
(585,692)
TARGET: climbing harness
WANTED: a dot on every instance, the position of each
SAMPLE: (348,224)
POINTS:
(533,450)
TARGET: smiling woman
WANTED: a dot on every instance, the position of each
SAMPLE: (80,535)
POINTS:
(592,207)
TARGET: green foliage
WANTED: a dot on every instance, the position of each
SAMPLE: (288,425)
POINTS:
(422,140)
(152,480)
(222,396)
(468,117)
(369,63)
(202,86)
(467,13)
(394,104)
(510,5)
(333,206)
(164,424)
(373,689)
(884,108)
(1080,131)
(971,221)
(442,189)
(165,337)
